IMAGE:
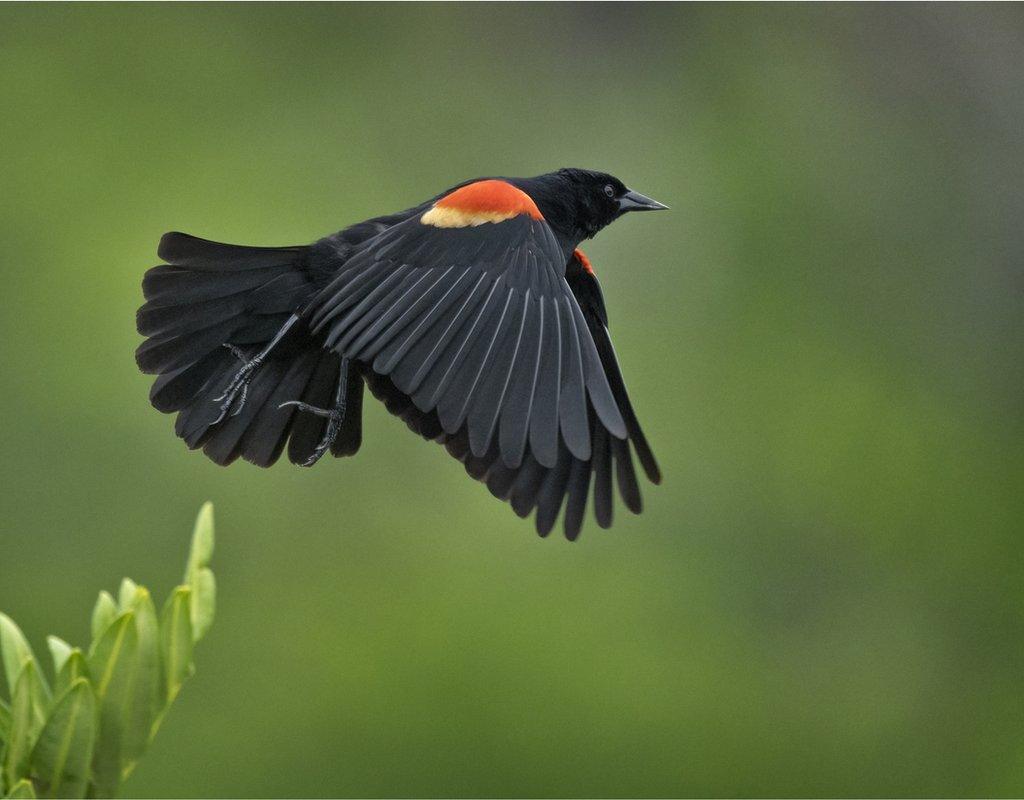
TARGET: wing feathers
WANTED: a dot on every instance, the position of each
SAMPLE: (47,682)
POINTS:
(618,386)
(626,475)
(552,492)
(525,487)
(602,462)
(371,298)
(453,405)
(479,338)
(515,413)
(423,354)
(487,406)
(404,311)
(392,353)
(385,312)
(598,388)
(572,400)
(347,289)
(434,387)
(485,400)
(544,415)
(576,498)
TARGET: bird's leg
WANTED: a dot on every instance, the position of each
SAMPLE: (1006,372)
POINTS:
(334,415)
(232,399)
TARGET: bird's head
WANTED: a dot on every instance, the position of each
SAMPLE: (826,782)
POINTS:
(577,203)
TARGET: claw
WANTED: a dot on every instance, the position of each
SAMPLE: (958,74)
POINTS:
(320,412)
(334,416)
(241,400)
(236,351)
(232,400)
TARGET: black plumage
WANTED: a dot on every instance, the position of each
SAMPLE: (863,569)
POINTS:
(473,317)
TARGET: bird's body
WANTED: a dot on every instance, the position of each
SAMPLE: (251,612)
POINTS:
(473,316)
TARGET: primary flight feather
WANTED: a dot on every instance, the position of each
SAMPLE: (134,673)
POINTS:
(474,317)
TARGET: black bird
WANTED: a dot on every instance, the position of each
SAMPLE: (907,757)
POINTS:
(473,317)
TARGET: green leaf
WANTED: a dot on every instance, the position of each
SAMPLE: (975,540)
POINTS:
(16,652)
(74,668)
(113,665)
(201,550)
(25,725)
(103,613)
(198,576)
(126,594)
(145,702)
(22,790)
(59,651)
(204,602)
(63,752)
(176,641)
(5,725)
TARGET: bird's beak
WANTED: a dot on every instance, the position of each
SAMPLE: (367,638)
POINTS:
(634,201)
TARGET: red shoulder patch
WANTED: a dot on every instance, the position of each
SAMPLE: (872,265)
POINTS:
(480,202)
(491,196)
(587,266)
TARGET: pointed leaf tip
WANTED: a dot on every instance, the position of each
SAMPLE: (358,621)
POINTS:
(201,550)
(198,575)
(103,613)
(74,668)
(126,594)
(59,652)
(16,651)
(22,790)
(176,641)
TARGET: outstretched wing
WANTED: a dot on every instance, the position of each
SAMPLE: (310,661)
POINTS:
(530,486)
(587,290)
(466,309)
(534,486)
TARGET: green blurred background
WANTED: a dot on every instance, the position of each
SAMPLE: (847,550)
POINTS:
(823,338)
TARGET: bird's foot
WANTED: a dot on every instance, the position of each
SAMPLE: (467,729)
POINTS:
(232,399)
(334,416)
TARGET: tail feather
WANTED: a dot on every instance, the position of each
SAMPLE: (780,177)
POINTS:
(167,285)
(350,437)
(180,249)
(208,295)
(223,446)
(157,356)
(308,429)
(173,391)
(265,437)
(170,321)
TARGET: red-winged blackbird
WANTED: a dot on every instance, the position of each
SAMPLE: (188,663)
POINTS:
(472,316)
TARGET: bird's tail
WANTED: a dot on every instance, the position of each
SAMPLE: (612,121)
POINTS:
(210,307)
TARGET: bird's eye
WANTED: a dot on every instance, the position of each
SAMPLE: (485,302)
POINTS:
(609,190)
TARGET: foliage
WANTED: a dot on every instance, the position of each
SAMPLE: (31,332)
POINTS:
(82,734)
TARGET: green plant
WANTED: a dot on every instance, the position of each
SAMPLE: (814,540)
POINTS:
(83,735)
